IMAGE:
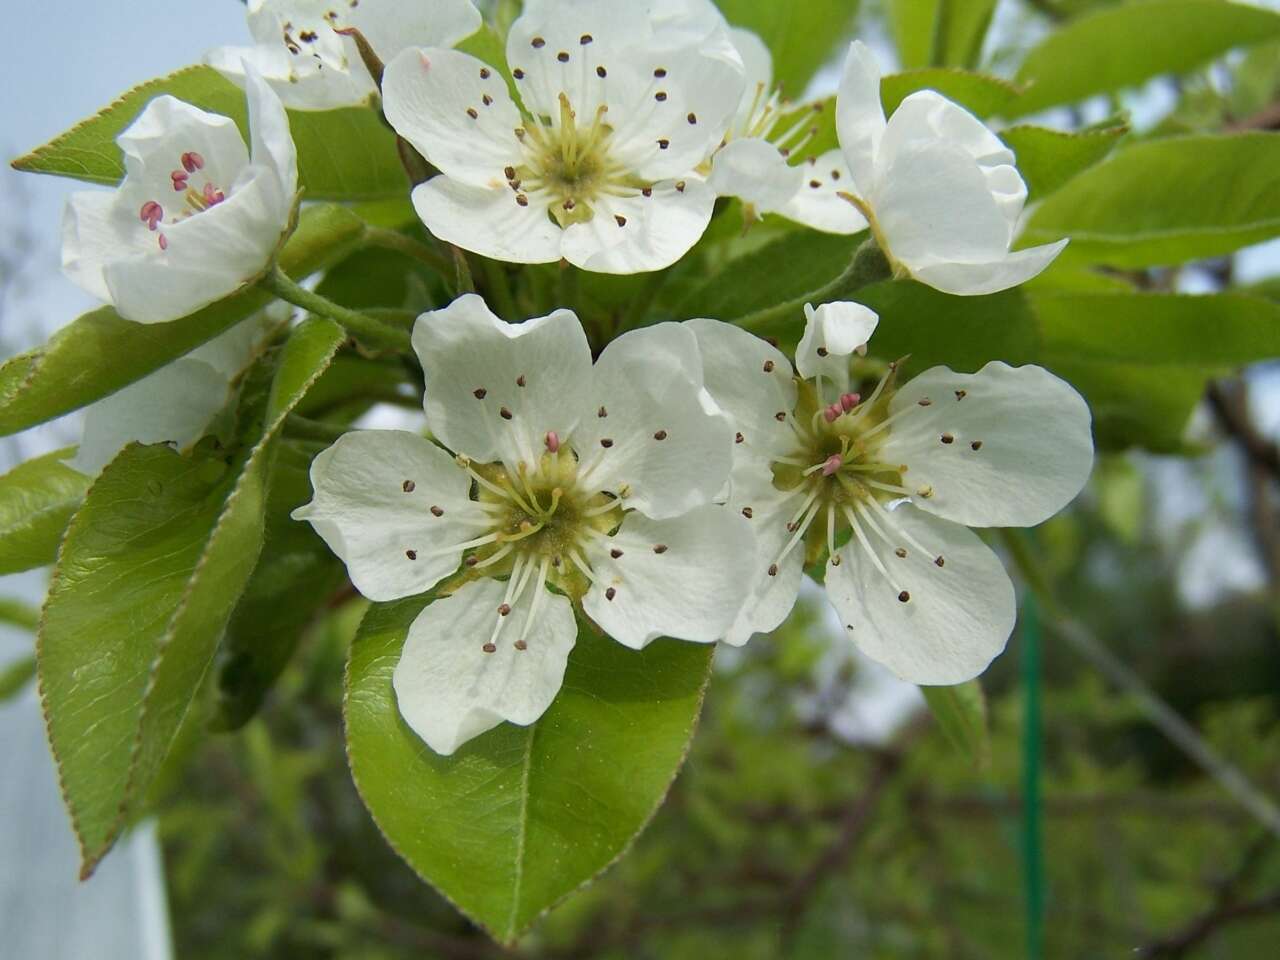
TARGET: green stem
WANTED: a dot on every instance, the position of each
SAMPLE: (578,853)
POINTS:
(567,286)
(402,243)
(1032,816)
(304,428)
(462,280)
(644,299)
(868,266)
(499,289)
(374,332)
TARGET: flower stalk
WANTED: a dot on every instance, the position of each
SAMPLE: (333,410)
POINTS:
(362,327)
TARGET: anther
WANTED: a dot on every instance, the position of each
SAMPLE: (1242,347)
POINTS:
(976,445)
(504,609)
(179,179)
(832,465)
(748,512)
(659,548)
(521,645)
(664,143)
(489,648)
(471,112)
(519,75)
(563,56)
(610,593)
(832,413)
(773,569)
(553,441)
(780,416)
(926,492)
(602,413)
(647,192)
(192,161)
(692,118)
(835,559)
(520,380)
(509,173)
(585,39)
(151,214)
(569,204)
(538,43)
(680,185)
(522,200)
(479,393)
(660,72)
(938,561)
(901,553)
(739,438)
(601,72)
(411,554)
(904,596)
(471,561)
(822,351)
(437,511)
(660,96)
(961,394)
(947,438)
(606,442)
(768,366)
(660,435)
(615,553)
(504,413)
(849,400)
(815,184)
(924,402)
(487,100)
(484,73)
(408,486)
(622,221)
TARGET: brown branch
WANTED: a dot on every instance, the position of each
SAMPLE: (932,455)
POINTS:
(1268,118)
(1209,923)
(1229,407)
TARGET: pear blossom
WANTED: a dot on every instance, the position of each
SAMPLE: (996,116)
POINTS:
(886,483)
(556,483)
(621,103)
(298,50)
(197,215)
(175,404)
(940,190)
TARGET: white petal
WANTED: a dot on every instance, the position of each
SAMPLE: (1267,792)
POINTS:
(449,690)
(297,80)
(859,114)
(692,590)
(958,616)
(821,207)
(435,99)
(662,444)
(374,490)
(757,62)
(975,279)
(751,381)
(1034,450)
(934,206)
(95,230)
(770,596)
(488,221)
(478,366)
(753,170)
(231,351)
(271,141)
(391,26)
(209,256)
(154,143)
(837,330)
(172,405)
(638,234)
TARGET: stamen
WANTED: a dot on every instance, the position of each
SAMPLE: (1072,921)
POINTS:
(553,441)
(539,590)
(502,552)
(870,552)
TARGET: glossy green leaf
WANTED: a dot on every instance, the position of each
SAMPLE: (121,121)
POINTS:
(100,353)
(15,613)
(939,32)
(522,816)
(1168,201)
(294,579)
(1047,158)
(346,154)
(15,676)
(149,573)
(980,93)
(37,499)
(961,713)
(800,44)
(1128,44)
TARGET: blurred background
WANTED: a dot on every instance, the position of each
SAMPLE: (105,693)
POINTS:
(1125,807)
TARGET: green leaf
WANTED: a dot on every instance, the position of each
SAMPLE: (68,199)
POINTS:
(961,712)
(346,154)
(1142,359)
(800,44)
(15,677)
(523,816)
(37,499)
(1128,44)
(939,32)
(1047,158)
(148,576)
(101,352)
(294,579)
(980,93)
(1168,201)
(15,613)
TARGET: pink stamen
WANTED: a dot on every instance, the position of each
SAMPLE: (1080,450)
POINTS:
(179,178)
(833,412)
(151,214)
(553,441)
(849,400)
(192,161)
(164,242)
(833,464)
(213,195)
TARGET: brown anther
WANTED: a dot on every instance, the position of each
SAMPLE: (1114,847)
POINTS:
(522,200)
(660,72)
(925,402)
(471,561)
(509,172)
(938,561)
(815,184)
(484,73)
(835,174)
(664,143)
(901,553)
(660,435)
(976,445)
(408,486)
(521,645)
(471,112)
(822,351)
(773,569)
(569,204)
(504,413)
(622,221)
(615,553)
(538,43)
(680,185)
(835,560)
(504,609)
(520,380)
(437,511)
(780,416)
(904,596)
(692,118)
(411,554)
(602,413)
(961,394)
(659,548)
(947,438)
(739,438)
(748,512)
(768,366)
(647,191)
(487,100)
(489,648)
(610,593)
(606,442)
(601,72)
(518,73)
(479,393)
(563,56)
(585,39)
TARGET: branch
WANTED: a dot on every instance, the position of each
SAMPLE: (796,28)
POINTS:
(1209,923)
(1233,417)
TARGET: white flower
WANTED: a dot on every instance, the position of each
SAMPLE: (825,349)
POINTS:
(621,106)
(596,481)
(312,67)
(176,403)
(887,484)
(940,190)
(196,216)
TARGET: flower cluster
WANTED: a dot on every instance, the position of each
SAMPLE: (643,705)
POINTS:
(681,483)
